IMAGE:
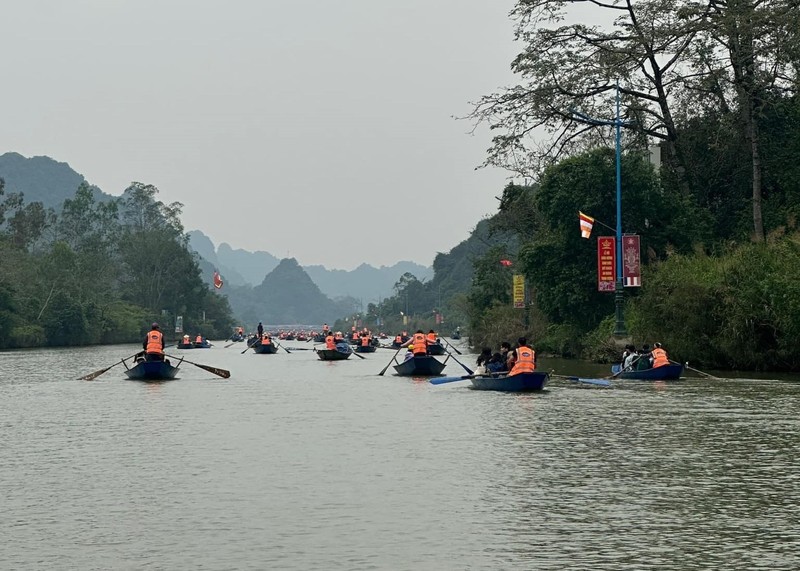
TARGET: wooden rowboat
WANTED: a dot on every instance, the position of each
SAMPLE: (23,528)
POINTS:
(420,366)
(671,372)
(261,349)
(333,354)
(153,371)
(365,349)
(521,382)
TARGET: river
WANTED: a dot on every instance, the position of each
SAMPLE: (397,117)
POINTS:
(298,464)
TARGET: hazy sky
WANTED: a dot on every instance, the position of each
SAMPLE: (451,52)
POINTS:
(322,130)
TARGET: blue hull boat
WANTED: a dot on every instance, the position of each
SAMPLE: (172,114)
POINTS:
(421,366)
(671,372)
(152,371)
(519,383)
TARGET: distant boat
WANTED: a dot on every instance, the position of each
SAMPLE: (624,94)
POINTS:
(365,348)
(521,382)
(436,349)
(671,372)
(153,371)
(420,366)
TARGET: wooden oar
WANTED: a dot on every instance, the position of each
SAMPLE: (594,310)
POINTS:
(389,363)
(93,376)
(450,345)
(597,382)
(249,346)
(467,369)
(623,368)
(282,347)
(697,371)
(224,373)
(353,351)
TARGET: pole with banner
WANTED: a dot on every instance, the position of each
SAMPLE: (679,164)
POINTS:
(606,263)
(631,261)
(519,291)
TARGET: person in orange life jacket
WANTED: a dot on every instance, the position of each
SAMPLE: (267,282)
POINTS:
(330,342)
(659,356)
(199,339)
(153,344)
(431,337)
(420,343)
(524,358)
(186,339)
(265,339)
(365,339)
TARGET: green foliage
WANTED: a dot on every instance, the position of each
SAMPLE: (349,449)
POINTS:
(738,310)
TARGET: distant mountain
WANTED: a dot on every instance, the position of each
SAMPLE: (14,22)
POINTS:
(41,179)
(366,283)
(287,295)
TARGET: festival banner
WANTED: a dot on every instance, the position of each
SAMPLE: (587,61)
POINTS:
(217,280)
(606,263)
(179,324)
(519,291)
(631,261)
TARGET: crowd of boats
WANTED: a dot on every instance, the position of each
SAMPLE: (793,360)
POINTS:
(415,355)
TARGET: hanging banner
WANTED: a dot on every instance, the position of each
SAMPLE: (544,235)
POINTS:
(606,263)
(519,291)
(631,261)
(179,324)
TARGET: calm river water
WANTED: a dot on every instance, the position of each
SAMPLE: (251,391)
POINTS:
(298,464)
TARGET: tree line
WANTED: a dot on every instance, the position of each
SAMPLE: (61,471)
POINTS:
(713,87)
(100,272)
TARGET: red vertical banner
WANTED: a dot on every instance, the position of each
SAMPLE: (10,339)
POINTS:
(606,263)
(631,261)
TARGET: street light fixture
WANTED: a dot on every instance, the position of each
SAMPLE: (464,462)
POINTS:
(619,287)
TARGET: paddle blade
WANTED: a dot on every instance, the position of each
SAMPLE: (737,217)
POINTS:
(596,382)
(92,376)
(220,372)
(443,380)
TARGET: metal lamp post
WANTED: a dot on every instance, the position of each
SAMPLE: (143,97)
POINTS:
(619,286)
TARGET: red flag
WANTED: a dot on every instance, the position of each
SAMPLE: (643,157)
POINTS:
(217,280)
(586,224)
(505,263)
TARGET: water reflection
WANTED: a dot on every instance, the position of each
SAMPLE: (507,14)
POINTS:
(297,463)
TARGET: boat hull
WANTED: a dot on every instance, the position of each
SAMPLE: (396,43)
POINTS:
(365,349)
(332,355)
(671,372)
(152,371)
(519,383)
(270,349)
(436,349)
(421,366)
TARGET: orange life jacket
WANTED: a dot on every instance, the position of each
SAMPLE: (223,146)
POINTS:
(364,340)
(355,336)
(659,358)
(431,337)
(329,342)
(525,362)
(420,345)
(185,338)
(398,339)
(265,340)
(198,339)
(154,342)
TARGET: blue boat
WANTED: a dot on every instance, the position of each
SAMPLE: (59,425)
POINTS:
(521,382)
(420,366)
(671,372)
(153,371)
(262,349)
(342,352)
